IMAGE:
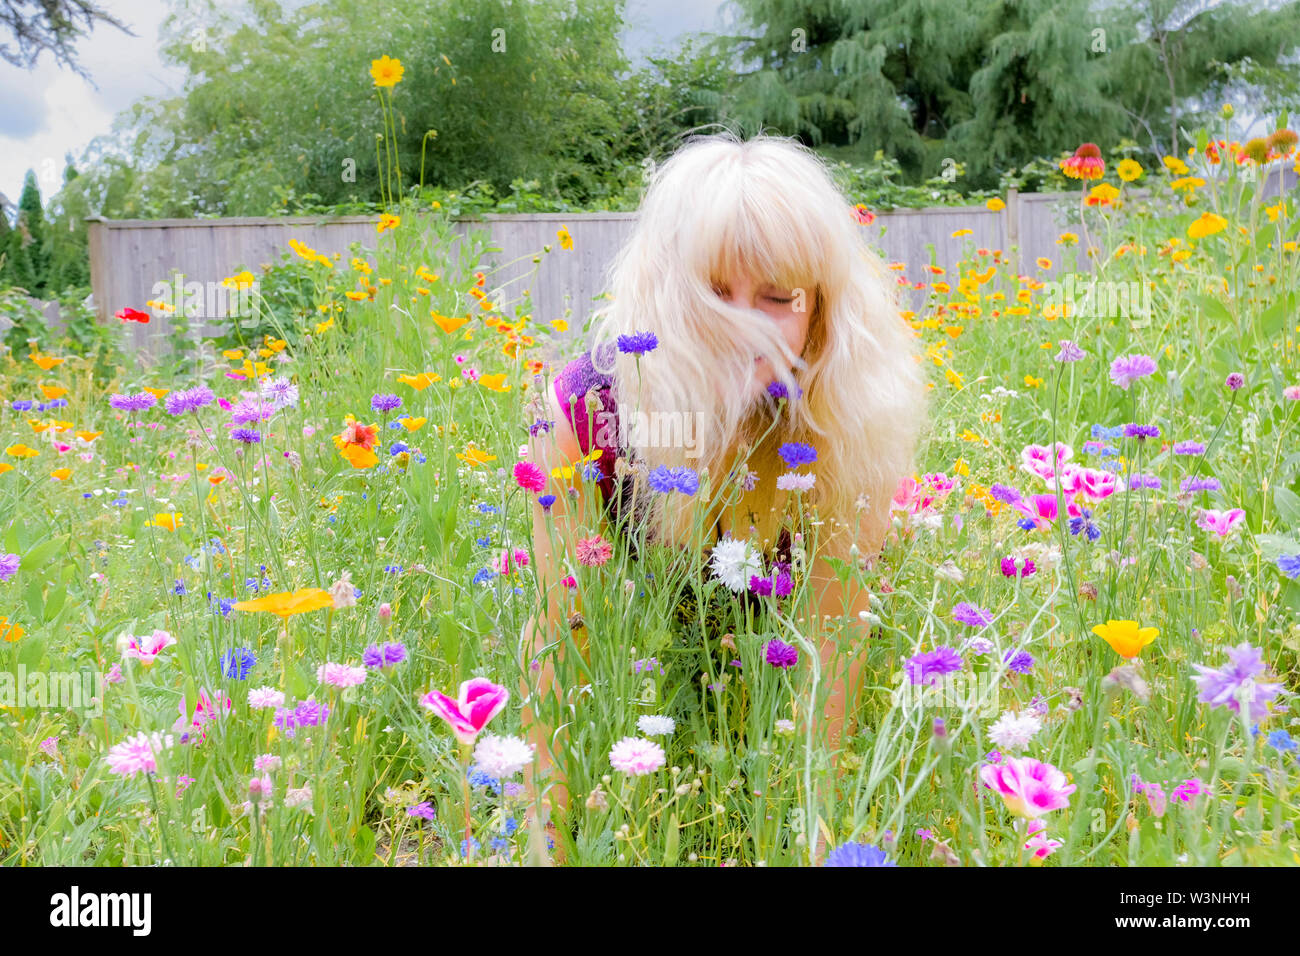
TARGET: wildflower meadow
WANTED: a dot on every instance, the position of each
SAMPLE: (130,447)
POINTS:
(263,604)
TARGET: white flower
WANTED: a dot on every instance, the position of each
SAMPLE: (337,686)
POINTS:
(785,727)
(637,756)
(793,481)
(502,757)
(343,592)
(653,725)
(297,797)
(1013,731)
(734,562)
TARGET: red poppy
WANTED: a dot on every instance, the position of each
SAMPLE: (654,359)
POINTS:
(129,314)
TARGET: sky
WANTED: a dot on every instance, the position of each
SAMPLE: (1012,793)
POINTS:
(50,111)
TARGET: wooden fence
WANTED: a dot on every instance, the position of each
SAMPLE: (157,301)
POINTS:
(128,257)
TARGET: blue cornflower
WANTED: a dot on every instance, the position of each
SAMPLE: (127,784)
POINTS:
(237,663)
(500,844)
(1086,525)
(393,568)
(217,546)
(546,501)
(795,454)
(397,447)
(857,854)
(484,576)
(22,406)
(667,480)
(591,472)
(1289,564)
(1281,741)
(638,343)
(250,583)
(179,588)
(466,845)
(481,778)
(484,542)
(511,825)
(248,436)
(488,509)
(1028,524)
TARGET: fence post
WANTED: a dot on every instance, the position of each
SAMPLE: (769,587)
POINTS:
(1012,225)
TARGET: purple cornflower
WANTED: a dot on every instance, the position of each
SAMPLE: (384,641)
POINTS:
(1084,523)
(1235,380)
(1199,484)
(424,810)
(779,391)
(1221,687)
(188,400)
(133,403)
(638,343)
(1133,430)
(249,436)
(857,854)
(649,665)
(780,654)
(310,714)
(540,427)
(760,586)
(1189,448)
(1289,564)
(795,453)
(385,403)
(1126,370)
(9,566)
(1143,481)
(385,656)
(782,584)
(1190,788)
(971,614)
(286,721)
(1021,662)
(924,668)
(1069,352)
(1004,493)
(1009,567)
(250,411)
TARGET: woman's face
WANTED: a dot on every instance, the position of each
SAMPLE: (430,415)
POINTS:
(789,308)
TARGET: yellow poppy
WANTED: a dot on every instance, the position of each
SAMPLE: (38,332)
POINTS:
(288,603)
(169,520)
(496,382)
(475,456)
(21,451)
(1126,637)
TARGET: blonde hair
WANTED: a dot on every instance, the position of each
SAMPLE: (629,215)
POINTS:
(769,208)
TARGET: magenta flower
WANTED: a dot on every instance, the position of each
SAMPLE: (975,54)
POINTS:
(529,477)
(1029,787)
(480,700)
(1220,522)
(1040,461)
(137,754)
(1040,509)
(146,649)
(1098,484)
(1039,843)
(1128,369)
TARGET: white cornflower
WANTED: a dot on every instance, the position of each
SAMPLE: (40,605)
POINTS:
(502,757)
(265,697)
(1013,731)
(653,725)
(734,562)
(793,481)
(636,756)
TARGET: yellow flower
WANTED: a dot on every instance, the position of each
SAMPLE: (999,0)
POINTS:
(566,240)
(386,71)
(1129,169)
(1033,382)
(88,437)
(559,325)
(46,362)
(21,451)
(388,221)
(1126,637)
(157,392)
(962,232)
(995,204)
(496,382)
(5,466)
(61,473)
(233,354)
(1207,225)
(240,280)
(1044,262)
(1187,182)
(1102,194)
(475,456)
(1067,239)
(287,603)
(420,382)
(165,519)
(449,324)
(10,632)
(355,296)
(1175,165)
(412,424)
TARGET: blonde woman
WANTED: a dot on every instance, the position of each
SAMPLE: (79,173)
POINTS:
(747,309)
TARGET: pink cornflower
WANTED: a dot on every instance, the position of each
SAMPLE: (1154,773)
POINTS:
(114,675)
(205,711)
(340,675)
(507,561)
(1220,522)
(265,697)
(1291,393)
(266,762)
(637,756)
(137,754)
(529,477)
(593,552)
(50,746)
(1029,787)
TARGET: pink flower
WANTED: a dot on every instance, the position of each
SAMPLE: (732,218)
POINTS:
(1097,484)
(569,582)
(1291,393)
(1220,522)
(1029,787)
(266,762)
(480,700)
(593,552)
(137,754)
(529,477)
(1038,459)
(147,649)
(204,712)
(501,563)
(637,756)
(50,746)
(114,675)
(1039,843)
(340,675)
(1040,509)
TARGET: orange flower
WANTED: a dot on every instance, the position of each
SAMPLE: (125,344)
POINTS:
(61,473)
(447,323)
(1086,163)
(157,393)
(1102,194)
(10,632)
(420,382)
(412,424)
(53,391)
(46,362)
(165,519)
(388,221)
(289,603)
(21,451)
(495,382)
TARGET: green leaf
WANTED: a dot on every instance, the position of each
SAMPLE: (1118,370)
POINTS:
(1273,545)
(674,837)
(1287,503)
(364,844)
(40,553)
